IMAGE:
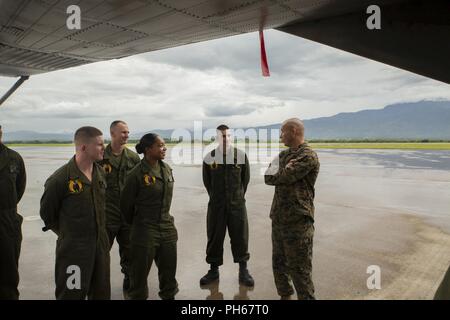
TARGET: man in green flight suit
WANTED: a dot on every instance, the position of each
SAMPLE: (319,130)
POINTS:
(73,207)
(12,187)
(226,174)
(293,173)
(117,162)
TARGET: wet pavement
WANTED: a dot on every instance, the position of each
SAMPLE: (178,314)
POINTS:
(373,207)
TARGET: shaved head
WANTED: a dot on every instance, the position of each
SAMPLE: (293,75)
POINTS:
(297,124)
(292,132)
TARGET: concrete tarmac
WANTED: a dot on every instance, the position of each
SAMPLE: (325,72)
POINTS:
(373,207)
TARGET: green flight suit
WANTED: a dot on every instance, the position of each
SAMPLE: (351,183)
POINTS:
(116,169)
(12,187)
(292,215)
(74,208)
(226,178)
(145,204)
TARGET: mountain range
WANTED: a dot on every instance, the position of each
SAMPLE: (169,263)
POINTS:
(417,120)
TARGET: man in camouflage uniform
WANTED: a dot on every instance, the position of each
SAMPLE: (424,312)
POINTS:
(293,173)
(12,187)
(117,162)
(73,207)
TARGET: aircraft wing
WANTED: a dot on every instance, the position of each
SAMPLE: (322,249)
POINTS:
(34,37)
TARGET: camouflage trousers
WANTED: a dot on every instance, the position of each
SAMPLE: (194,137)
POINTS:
(292,258)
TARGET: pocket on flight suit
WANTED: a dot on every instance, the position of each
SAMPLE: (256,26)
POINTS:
(238,208)
(19,221)
(170,184)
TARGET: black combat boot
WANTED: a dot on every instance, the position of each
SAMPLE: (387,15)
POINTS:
(244,276)
(211,276)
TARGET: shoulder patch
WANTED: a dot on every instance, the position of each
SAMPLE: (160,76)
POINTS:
(107,167)
(75,186)
(214,165)
(149,180)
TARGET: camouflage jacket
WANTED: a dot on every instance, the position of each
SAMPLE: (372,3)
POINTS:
(293,173)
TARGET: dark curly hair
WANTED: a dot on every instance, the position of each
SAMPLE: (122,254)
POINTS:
(146,141)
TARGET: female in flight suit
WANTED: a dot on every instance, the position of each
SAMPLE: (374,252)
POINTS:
(145,204)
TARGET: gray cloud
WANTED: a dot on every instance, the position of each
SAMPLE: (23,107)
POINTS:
(225,111)
(213,82)
(241,54)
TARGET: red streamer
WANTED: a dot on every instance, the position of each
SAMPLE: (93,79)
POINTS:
(264,64)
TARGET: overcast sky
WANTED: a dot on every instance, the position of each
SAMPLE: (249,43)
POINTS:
(215,82)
